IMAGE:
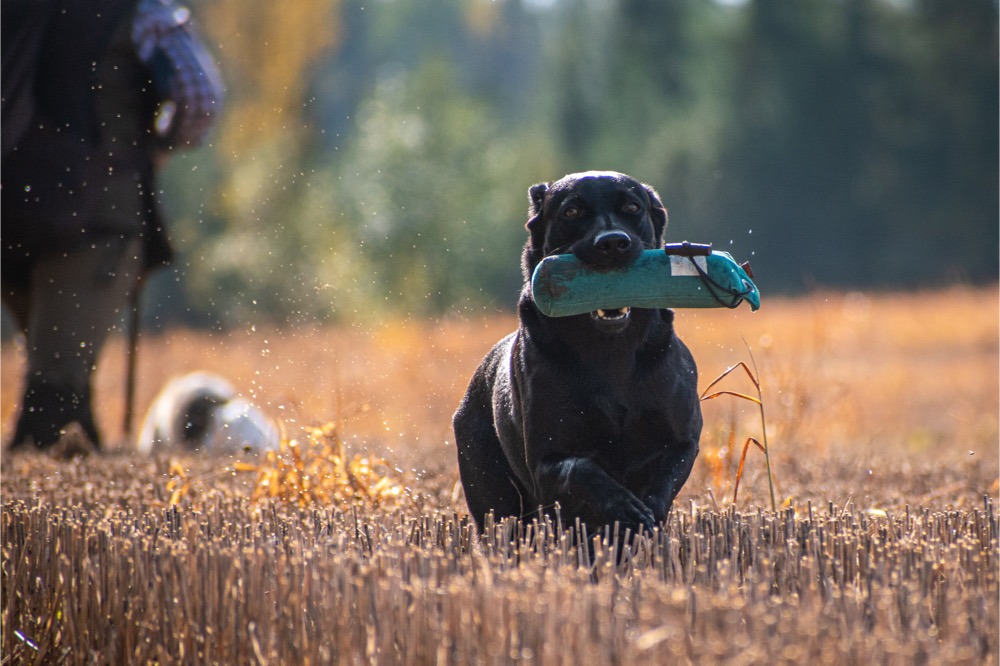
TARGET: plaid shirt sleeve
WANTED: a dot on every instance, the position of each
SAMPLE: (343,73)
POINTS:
(184,73)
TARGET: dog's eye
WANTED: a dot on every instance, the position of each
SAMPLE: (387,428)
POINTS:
(571,212)
(632,208)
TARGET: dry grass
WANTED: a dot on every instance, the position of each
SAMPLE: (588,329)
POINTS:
(882,421)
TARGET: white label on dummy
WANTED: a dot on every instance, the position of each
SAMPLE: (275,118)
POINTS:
(682,266)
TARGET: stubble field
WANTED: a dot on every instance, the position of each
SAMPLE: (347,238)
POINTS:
(353,545)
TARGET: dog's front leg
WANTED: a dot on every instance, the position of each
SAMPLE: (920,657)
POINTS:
(668,473)
(583,489)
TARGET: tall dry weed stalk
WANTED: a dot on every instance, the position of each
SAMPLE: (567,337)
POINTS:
(759,401)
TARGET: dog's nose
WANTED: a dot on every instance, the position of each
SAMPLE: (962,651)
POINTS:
(613,244)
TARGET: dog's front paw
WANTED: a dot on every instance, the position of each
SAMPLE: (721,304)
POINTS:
(659,506)
(631,513)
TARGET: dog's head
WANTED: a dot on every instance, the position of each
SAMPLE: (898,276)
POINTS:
(604,218)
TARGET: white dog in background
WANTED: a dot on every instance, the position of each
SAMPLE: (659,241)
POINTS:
(202,411)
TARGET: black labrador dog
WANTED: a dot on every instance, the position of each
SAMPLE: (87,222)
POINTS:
(598,412)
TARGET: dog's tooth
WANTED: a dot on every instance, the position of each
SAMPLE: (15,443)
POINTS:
(600,313)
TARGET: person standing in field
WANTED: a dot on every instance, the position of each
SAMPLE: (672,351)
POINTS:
(95,93)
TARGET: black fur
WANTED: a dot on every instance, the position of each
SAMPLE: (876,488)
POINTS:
(598,414)
(197,417)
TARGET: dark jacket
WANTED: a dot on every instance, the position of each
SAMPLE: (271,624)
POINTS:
(82,165)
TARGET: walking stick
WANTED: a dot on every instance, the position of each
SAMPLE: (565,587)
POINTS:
(131,353)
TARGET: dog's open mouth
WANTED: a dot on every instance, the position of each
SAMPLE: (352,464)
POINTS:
(613,319)
(611,315)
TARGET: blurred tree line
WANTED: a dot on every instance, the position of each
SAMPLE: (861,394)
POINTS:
(374,156)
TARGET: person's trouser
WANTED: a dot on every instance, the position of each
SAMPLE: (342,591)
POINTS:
(73,301)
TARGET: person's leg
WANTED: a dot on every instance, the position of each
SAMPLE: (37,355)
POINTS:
(77,298)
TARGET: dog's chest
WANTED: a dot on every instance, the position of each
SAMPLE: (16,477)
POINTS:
(598,410)
(622,400)
(619,411)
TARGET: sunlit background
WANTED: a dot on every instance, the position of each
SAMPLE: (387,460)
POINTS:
(374,157)
(347,250)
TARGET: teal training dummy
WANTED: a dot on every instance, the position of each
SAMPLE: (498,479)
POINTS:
(682,275)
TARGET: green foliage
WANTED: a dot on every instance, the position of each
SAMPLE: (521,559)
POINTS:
(844,155)
(417,193)
(374,157)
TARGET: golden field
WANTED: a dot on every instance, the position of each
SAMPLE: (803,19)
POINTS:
(882,419)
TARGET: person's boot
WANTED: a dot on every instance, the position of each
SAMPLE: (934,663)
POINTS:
(46,411)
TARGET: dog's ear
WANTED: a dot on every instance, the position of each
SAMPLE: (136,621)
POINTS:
(536,199)
(536,205)
(657,213)
(533,248)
